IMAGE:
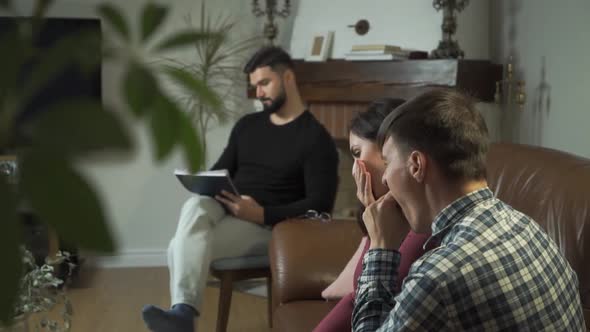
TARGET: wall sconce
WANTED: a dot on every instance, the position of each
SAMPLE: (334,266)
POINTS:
(270,28)
(508,90)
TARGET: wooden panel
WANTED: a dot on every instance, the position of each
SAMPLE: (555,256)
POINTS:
(338,89)
(479,80)
(336,116)
(354,81)
(359,93)
(365,81)
(413,72)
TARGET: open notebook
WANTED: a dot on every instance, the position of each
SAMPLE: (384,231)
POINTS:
(207,183)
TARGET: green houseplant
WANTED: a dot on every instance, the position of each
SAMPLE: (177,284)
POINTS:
(218,64)
(48,178)
(41,291)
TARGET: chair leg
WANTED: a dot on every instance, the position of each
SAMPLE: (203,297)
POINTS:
(269,297)
(225,293)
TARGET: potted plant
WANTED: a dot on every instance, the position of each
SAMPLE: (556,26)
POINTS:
(76,129)
(39,293)
(218,64)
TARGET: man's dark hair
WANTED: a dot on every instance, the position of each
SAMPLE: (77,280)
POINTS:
(366,124)
(274,57)
(445,125)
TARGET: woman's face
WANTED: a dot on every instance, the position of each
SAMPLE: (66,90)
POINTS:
(367,151)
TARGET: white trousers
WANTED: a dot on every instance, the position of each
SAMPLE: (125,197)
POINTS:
(205,232)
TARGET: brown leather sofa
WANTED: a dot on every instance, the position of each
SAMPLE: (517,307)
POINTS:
(550,186)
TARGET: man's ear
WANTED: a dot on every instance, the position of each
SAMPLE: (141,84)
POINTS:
(289,76)
(417,164)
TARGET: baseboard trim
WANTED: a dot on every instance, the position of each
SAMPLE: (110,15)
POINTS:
(131,258)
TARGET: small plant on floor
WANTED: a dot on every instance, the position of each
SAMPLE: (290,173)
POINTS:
(40,292)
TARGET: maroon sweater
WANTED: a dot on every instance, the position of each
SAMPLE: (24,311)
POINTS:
(339,319)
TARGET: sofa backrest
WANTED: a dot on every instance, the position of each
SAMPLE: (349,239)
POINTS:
(307,255)
(553,188)
(550,186)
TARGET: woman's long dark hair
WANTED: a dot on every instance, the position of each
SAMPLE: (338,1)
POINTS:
(366,125)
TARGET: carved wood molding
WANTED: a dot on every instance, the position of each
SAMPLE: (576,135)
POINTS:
(350,81)
(336,116)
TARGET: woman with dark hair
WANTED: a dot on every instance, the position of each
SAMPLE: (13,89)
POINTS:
(367,172)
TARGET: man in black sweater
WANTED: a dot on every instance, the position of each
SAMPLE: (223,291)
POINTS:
(282,161)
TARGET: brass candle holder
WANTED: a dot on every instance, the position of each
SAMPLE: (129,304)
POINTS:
(271,12)
(448,47)
(510,91)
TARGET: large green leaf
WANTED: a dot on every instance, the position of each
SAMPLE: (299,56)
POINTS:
(14,53)
(185,38)
(79,127)
(140,88)
(152,17)
(41,7)
(5,4)
(164,124)
(116,19)
(194,86)
(10,238)
(191,144)
(64,200)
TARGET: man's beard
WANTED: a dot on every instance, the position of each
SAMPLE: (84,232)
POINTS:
(276,103)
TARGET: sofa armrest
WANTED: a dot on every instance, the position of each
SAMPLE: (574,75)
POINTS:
(307,255)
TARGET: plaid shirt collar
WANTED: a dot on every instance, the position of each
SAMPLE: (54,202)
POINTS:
(446,218)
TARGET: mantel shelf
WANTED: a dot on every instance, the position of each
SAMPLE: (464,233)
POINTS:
(364,81)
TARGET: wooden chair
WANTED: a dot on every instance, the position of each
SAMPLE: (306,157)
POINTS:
(229,270)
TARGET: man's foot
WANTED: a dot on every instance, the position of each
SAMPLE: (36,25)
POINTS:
(178,319)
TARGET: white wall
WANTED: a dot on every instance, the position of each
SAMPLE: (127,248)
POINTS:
(142,197)
(550,44)
(407,23)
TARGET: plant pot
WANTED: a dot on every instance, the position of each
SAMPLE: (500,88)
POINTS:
(19,324)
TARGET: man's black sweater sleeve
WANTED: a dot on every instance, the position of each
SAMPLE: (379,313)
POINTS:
(321,181)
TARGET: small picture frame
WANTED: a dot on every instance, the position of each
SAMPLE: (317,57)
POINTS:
(321,46)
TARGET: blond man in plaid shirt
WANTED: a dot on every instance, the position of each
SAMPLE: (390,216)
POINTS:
(492,268)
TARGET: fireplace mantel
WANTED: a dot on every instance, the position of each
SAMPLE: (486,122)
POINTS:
(337,89)
(356,81)
(364,81)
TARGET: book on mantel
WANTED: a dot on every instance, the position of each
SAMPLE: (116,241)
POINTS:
(378,55)
(375,47)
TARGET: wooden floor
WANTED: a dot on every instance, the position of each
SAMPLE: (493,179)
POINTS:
(110,300)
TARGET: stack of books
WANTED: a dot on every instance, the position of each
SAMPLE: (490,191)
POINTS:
(382,52)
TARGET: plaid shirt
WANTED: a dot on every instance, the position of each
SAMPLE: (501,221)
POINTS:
(494,270)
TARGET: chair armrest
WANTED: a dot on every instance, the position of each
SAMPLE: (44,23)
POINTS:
(307,255)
